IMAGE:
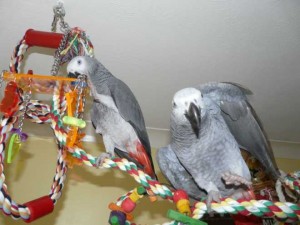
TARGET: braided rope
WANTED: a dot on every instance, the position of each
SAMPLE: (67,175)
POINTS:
(292,181)
(8,206)
(38,113)
(287,212)
(123,164)
(18,55)
(80,44)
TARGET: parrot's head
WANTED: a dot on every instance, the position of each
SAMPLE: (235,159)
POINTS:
(186,108)
(81,65)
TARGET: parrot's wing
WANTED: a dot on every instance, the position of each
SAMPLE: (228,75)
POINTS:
(176,174)
(129,108)
(242,121)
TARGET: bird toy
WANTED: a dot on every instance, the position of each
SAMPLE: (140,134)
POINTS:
(18,105)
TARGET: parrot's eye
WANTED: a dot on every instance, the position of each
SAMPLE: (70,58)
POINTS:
(174,105)
(79,61)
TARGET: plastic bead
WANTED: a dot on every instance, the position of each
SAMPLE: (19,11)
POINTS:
(74,121)
(129,203)
(141,190)
(183,206)
(39,208)
(180,197)
(180,194)
(113,206)
(13,147)
(117,218)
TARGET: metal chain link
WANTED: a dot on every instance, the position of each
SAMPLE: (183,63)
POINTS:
(59,13)
(57,57)
(81,82)
(1,78)
(26,99)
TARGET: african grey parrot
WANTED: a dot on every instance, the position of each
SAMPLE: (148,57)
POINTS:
(116,114)
(209,124)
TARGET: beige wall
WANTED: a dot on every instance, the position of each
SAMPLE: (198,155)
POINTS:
(87,191)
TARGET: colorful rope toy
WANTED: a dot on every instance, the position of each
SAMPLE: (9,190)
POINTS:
(17,104)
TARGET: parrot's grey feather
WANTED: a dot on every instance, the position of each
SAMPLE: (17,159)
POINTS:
(176,174)
(242,121)
(129,109)
(207,154)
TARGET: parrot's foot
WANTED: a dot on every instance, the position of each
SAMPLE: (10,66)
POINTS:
(212,196)
(100,159)
(236,180)
(243,194)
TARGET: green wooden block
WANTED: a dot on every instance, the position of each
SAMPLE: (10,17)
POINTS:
(172,214)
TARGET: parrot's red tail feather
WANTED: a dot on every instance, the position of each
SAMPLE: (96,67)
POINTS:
(142,157)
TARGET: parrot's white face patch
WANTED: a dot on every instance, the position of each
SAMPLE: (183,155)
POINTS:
(182,100)
(78,65)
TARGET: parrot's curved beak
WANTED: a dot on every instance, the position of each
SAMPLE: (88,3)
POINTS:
(73,75)
(194,117)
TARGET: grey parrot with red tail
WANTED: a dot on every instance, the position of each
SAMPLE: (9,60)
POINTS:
(115,114)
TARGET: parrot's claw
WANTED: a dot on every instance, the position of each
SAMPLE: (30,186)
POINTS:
(212,196)
(100,159)
(236,180)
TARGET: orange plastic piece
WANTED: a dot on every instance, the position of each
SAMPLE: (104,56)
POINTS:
(71,160)
(10,102)
(17,76)
(38,83)
(152,196)
(71,103)
(72,137)
(70,106)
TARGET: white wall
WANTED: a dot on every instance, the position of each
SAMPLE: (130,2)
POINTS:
(158,47)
